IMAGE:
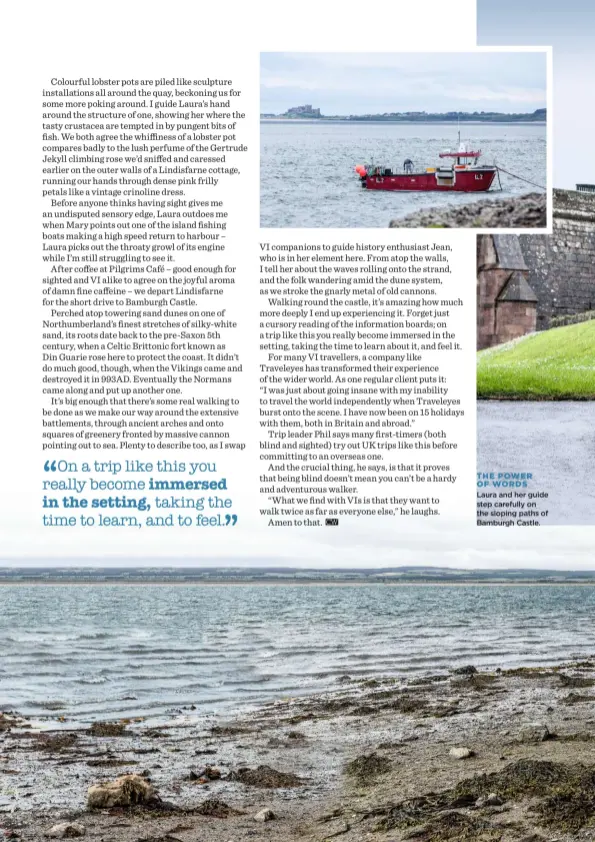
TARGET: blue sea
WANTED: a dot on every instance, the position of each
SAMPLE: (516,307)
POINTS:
(107,651)
(307,178)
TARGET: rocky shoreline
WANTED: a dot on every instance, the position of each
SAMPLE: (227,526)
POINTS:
(473,756)
(527,211)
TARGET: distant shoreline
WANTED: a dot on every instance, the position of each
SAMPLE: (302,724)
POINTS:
(299,583)
(346,120)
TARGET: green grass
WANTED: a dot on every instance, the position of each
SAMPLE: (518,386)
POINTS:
(557,364)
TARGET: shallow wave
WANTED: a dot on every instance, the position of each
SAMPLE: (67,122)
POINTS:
(96,636)
(206,647)
(94,679)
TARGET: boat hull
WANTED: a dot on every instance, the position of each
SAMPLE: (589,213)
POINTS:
(463,181)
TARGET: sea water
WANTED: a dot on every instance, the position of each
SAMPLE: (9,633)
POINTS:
(108,651)
(307,178)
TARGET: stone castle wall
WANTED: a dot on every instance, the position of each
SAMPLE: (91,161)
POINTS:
(562,266)
(506,304)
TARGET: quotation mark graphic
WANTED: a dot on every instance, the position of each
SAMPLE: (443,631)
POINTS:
(50,466)
(233,519)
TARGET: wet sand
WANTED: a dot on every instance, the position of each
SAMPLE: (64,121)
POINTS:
(371,760)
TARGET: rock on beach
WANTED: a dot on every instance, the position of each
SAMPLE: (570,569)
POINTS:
(123,792)
(535,733)
(265,815)
(461,753)
(528,211)
(67,830)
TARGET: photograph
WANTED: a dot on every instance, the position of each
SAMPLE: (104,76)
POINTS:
(298,502)
(536,357)
(536,294)
(404,140)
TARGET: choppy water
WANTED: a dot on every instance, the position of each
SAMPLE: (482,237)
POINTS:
(307,178)
(554,441)
(107,651)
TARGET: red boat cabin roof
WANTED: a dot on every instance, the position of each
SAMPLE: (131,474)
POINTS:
(460,154)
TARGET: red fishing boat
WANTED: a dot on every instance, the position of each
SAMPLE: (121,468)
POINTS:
(465,174)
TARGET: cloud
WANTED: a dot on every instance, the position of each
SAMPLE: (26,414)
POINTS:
(352,83)
(377,542)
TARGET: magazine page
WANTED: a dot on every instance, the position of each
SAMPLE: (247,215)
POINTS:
(276,366)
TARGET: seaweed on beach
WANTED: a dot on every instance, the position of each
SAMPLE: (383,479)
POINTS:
(572,805)
(575,680)
(415,811)
(324,707)
(387,693)
(265,777)
(567,793)
(107,729)
(153,808)
(577,699)
(457,827)
(399,701)
(296,735)
(368,767)
(216,808)
(56,742)
(111,762)
(427,680)
(531,672)
(167,838)
(478,681)
(406,703)
(300,717)
(522,778)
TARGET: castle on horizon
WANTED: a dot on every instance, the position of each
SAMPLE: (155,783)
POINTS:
(303,111)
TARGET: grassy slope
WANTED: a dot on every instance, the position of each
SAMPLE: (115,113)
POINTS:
(555,364)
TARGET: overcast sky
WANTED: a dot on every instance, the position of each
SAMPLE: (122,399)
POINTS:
(370,542)
(569,27)
(364,83)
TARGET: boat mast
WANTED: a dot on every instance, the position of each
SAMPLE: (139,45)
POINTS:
(459,136)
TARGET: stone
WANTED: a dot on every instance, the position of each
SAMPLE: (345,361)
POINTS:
(208,773)
(122,792)
(535,733)
(491,800)
(461,753)
(67,830)
(467,670)
(265,815)
(526,211)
